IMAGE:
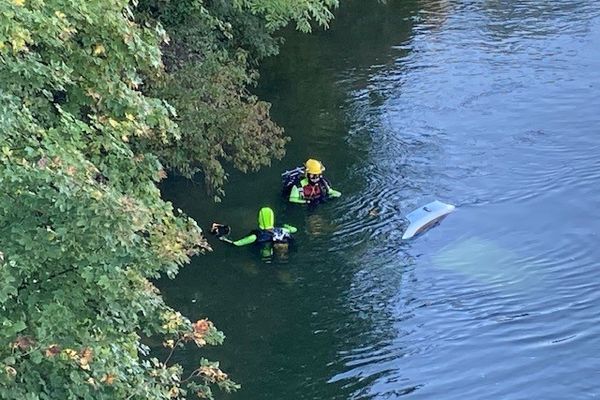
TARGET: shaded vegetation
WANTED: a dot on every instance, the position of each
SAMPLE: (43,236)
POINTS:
(90,111)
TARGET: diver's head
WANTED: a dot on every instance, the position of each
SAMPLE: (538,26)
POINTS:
(314,170)
(266,218)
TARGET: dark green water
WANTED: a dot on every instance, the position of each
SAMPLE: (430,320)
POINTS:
(492,106)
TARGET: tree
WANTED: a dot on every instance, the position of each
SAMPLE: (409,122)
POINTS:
(82,224)
(210,61)
(83,228)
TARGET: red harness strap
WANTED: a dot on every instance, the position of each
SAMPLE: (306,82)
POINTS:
(311,191)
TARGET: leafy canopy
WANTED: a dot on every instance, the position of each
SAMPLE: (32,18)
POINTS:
(210,62)
(87,121)
(82,225)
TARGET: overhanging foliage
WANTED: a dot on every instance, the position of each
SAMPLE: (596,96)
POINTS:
(83,228)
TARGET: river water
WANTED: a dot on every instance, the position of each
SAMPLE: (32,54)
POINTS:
(489,105)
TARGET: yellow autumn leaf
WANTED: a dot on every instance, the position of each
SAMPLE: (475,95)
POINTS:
(18,43)
(113,123)
(19,40)
(18,3)
(70,170)
(60,14)
(2,46)
(99,49)
(87,354)
(85,357)
(96,195)
(174,392)
(72,354)
(108,379)
(66,33)
(130,117)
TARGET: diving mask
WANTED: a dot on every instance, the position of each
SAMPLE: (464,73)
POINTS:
(314,178)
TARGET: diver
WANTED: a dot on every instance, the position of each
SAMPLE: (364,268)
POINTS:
(269,237)
(307,185)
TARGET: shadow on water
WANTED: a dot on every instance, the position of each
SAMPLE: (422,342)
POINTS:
(487,105)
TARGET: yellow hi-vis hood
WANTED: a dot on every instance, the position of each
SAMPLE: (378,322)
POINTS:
(266,218)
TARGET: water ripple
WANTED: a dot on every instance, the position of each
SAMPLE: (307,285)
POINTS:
(488,106)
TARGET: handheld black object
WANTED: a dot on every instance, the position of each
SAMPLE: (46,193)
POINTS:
(220,229)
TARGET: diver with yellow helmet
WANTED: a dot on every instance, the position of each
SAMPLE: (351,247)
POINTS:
(307,185)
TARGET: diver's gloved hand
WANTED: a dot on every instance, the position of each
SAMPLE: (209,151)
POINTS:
(226,240)
(333,193)
(290,228)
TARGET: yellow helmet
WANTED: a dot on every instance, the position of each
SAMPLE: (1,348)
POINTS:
(314,167)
